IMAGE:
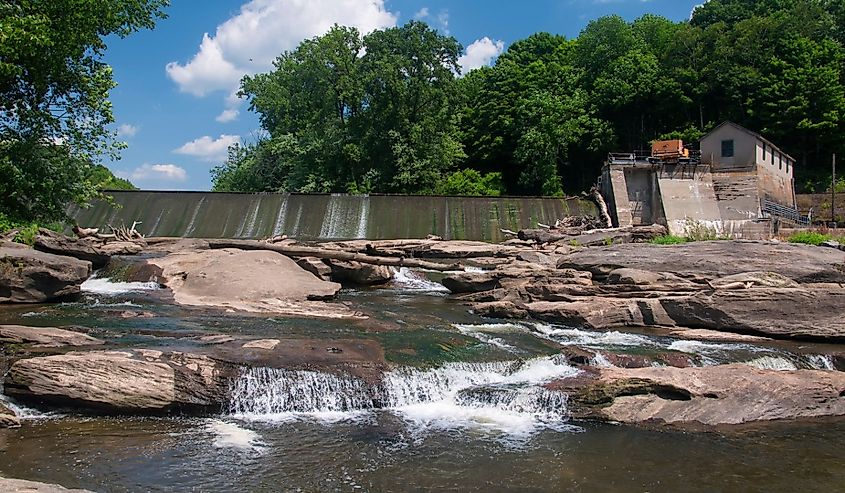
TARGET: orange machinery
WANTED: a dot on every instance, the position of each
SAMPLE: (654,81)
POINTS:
(669,150)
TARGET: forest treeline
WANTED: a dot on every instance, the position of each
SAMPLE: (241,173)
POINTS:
(390,112)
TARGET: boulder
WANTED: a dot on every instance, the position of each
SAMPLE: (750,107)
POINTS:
(258,281)
(704,261)
(45,337)
(704,396)
(30,276)
(315,266)
(359,273)
(500,309)
(59,244)
(22,486)
(470,282)
(137,380)
(8,418)
(600,313)
(806,312)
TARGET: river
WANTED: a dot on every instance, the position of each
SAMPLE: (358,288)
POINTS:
(463,410)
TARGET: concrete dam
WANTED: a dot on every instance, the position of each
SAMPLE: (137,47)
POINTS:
(324,217)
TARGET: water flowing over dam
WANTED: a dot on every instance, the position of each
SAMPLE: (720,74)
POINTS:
(324,217)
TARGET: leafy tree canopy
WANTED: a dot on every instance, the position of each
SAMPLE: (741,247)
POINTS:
(54,107)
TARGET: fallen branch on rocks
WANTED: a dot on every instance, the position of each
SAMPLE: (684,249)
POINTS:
(305,251)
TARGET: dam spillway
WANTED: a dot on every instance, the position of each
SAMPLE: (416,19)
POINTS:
(324,216)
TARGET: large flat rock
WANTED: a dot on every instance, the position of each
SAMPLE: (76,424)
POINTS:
(45,336)
(253,281)
(707,260)
(709,396)
(30,276)
(127,381)
(10,485)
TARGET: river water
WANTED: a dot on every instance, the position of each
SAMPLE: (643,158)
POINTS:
(463,410)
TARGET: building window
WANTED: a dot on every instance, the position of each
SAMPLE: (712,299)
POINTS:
(727,148)
(780,162)
(764,151)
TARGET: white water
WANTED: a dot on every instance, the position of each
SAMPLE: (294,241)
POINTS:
(106,287)
(363,218)
(279,225)
(772,363)
(593,339)
(506,397)
(821,362)
(191,224)
(408,280)
(230,435)
(482,333)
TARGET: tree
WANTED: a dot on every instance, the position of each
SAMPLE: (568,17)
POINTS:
(54,107)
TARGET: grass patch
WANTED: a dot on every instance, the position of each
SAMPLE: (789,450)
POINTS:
(669,240)
(25,231)
(809,238)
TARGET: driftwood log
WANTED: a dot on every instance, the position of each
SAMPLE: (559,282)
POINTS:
(306,251)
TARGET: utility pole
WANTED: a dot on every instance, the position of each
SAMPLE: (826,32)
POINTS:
(833,191)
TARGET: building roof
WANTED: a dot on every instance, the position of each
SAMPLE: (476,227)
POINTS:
(751,133)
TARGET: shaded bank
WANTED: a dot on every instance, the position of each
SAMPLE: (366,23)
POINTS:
(322,217)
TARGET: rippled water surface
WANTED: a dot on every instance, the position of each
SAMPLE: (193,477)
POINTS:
(463,410)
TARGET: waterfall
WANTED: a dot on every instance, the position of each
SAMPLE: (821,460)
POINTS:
(507,396)
(821,362)
(191,224)
(280,218)
(248,226)
(364,217)
(268,391)
(333,221)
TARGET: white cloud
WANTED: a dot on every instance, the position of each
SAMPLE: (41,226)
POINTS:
(443,21)
(421,13)
(208,148)
(127,130)
(479,53)
(159,172)
(248,42)
(227,115)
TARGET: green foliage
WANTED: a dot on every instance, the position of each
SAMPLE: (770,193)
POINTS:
(351,113)
(809,238)
(103,179)
(669,240)
(386,113)
(25,231)
(472,183)
(54,105)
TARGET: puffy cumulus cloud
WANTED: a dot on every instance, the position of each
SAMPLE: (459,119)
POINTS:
(227,115)
(127,130)
(479,53)
(248,42)
(159,173)
(208,148)
(421,13)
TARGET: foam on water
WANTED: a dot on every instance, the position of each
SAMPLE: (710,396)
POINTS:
(820,362)
(406,279)
(482,333)
(230,435)
(588,338)
(504,396)
(107,287)
(772,363)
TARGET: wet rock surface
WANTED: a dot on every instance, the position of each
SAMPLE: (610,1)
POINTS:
(137,380)
(30,276)
(251,281)
(10,485)
(8,418)
(754,288)
(45,337)
(710,396)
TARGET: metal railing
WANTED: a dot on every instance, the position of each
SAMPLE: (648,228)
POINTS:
(773,209)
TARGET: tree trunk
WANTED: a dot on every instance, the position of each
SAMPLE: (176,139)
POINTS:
(304,251)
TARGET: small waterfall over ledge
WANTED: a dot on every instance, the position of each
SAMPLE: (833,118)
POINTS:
(505,396)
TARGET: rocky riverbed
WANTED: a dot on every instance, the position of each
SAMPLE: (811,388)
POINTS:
(700,336)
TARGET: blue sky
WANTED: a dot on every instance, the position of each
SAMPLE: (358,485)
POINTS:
(174,102)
